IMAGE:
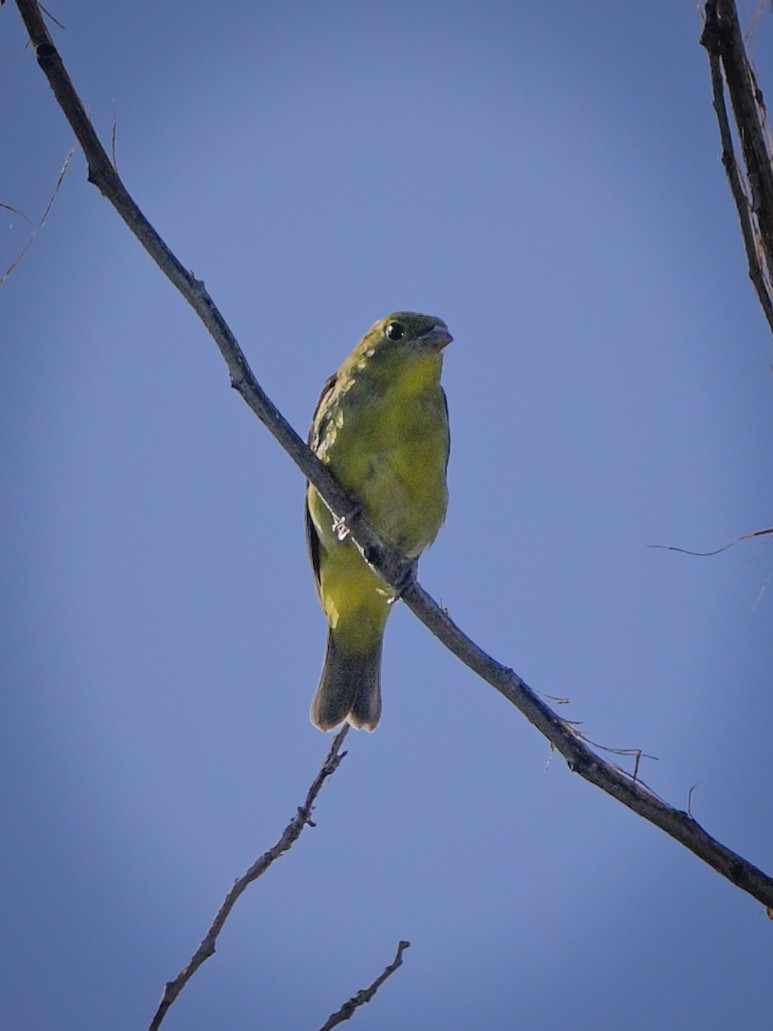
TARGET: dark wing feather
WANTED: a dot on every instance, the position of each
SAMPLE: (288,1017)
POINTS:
(448,424)
(315,432)
(315,435)
(312,543)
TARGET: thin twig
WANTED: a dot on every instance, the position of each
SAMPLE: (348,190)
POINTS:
(36,229)
(715,551)
(15,211)
(289,836)
(391,566)
(366,994)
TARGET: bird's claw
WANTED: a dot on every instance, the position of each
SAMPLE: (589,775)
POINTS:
(407,579)
(341,527)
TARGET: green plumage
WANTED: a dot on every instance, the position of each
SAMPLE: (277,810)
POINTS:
(381,425)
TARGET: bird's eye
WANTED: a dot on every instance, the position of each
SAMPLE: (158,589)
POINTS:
(395,331)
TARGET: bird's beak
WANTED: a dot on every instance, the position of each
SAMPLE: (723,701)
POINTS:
(438,337)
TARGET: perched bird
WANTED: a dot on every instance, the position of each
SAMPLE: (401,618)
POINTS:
(381,425)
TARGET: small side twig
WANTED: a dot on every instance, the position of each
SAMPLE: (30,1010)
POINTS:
(366,994)
(290,835)
(715,551)
(36,229)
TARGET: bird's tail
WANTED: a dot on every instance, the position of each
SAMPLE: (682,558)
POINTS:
(349,688)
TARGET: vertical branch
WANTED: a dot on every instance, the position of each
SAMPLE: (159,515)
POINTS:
(752,188)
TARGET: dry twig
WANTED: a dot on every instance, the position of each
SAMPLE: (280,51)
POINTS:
(753,191)
(41,222)
(714,551)
(366,994)
(290,835)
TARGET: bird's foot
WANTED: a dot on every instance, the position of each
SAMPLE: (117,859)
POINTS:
(341,527)
(407,579)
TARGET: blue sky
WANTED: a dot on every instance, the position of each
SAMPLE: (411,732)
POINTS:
(546,178)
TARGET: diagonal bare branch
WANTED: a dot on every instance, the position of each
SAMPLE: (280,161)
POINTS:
(289,836)
(366,994)
(392,567)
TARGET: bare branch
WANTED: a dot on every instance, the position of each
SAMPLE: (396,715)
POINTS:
(753,196)
(391,566)
(289,836)
(104,176)
(366,994)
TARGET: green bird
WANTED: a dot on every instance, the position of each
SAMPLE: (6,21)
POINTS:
(381,425)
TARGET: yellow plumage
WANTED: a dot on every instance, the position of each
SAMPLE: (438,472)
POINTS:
(382,426)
